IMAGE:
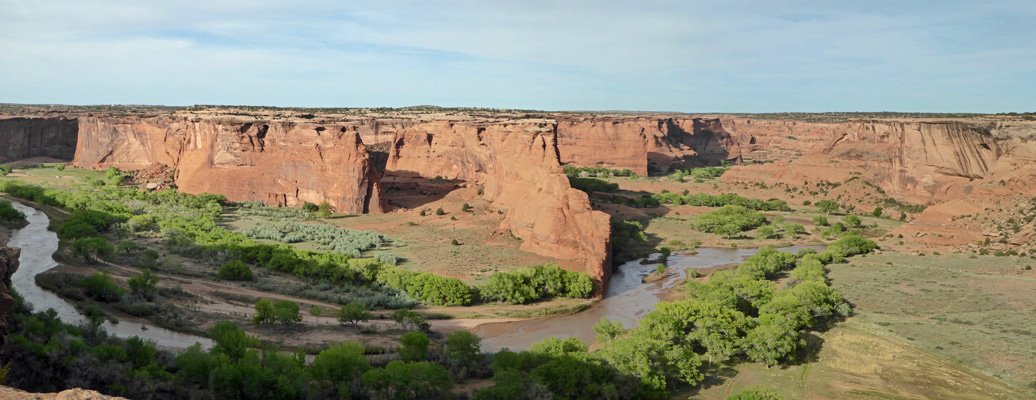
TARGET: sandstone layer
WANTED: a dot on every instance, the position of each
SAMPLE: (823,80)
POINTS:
(644,144)
(22,138)
(918,162)
(281,162)
(516,164)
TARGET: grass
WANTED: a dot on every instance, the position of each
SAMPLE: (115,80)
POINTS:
(974,311)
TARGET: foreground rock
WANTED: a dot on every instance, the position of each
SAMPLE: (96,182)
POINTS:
(285,163)
(71,394)
(517,167)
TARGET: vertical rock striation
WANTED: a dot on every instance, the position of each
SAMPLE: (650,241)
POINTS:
(22,138)
(284,163)
(517,166)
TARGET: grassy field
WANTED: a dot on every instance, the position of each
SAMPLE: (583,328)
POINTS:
(924,327)
(975,310)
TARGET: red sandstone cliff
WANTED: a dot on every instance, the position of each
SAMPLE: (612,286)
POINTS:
(517,166)
(22,138)
(638,143)
(918,162)
(277,162)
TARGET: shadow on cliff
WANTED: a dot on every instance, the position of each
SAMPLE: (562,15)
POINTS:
(408,189)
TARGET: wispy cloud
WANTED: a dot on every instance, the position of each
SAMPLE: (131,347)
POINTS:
(657,55)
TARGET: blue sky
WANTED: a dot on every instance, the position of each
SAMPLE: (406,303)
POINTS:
(690,56)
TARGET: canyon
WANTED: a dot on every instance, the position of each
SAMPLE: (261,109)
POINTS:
(955,167)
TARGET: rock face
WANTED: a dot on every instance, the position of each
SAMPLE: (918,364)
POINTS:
(8,266)
(645,144)
(22,138)
(918,162)
(516,164)
(283,163)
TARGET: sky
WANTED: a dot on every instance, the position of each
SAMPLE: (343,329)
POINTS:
(687,56)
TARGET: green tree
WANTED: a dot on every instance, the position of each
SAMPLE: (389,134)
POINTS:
(555,347)
(263,312)
(406,381)
(878,211)
(316,310)
(195,365)
(340,367)
(230,340)
(60,167)
(725,220)
(310,207)
(766,231)
(92,248)
(4,170)
(827,206)
(464,346)
(607,330)
(665,252)
(409,320)
(414,346)
(287,312)
(439,211)
(852,221)
(234,270)
(770,344)
(100,286)
(354,313)
(144,285)
(325,209)
(820,220)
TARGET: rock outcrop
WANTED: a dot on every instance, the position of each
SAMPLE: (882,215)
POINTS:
(70,394)
(644,144)
(22,138)
(918,162)
(516,165)
(285,163)
(8,266)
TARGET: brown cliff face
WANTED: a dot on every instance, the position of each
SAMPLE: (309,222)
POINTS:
(22,138)
(283,163)
(776,139)
(640,143)
(919,162)
(517,166)
(8,266)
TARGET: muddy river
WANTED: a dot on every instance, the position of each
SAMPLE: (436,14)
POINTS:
(38,244)
(626,301)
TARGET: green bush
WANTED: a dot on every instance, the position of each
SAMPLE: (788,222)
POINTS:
(592,185)
(10,216)
(235,270)
(101,287)
(721,220)
(530,284)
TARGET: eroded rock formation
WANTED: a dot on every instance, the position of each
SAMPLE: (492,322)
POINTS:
(8,266)
(644,144)
(284,163)
(22,138)
(516,164)
(918,162)
(70,394)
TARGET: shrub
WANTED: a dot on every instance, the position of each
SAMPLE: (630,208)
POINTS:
(592,185)
(287,312)
(310,207)
(101,287)
(439,211)
(727,219)
(235,270)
